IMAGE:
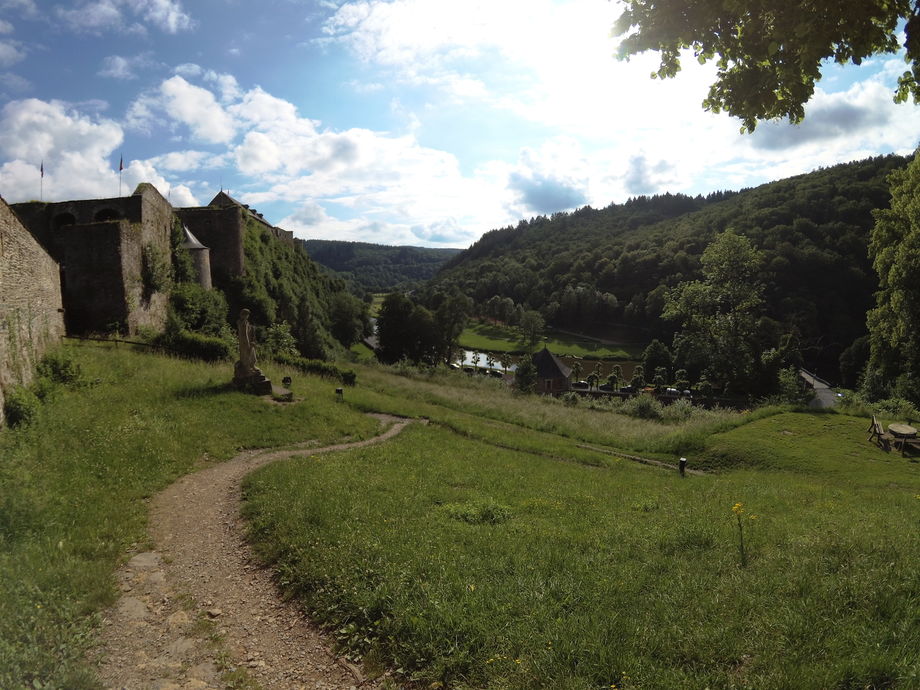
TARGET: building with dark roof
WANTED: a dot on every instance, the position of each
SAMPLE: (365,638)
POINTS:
(552,375)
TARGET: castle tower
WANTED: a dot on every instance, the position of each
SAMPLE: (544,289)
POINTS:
(201,257)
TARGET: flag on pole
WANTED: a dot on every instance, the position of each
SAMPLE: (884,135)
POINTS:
(121,163)
(41,168)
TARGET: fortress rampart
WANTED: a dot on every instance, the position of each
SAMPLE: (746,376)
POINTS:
(31,318)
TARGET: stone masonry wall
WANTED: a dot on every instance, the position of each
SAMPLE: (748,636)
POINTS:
(31,319)
(93,284)
(221,230)
(104,247)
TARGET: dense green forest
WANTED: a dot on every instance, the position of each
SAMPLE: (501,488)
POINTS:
(376,267)
(588,268)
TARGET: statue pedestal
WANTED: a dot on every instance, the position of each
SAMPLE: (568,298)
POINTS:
(251,381)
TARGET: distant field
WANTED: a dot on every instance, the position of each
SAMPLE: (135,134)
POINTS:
(498,338)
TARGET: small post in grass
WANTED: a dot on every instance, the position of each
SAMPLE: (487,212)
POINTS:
(339,394)
(682,467)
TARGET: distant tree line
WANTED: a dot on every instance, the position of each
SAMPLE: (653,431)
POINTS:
(377,268)
(809,235)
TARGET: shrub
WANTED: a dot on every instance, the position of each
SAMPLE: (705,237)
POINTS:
(897,407)
(195,345)
(60,367)
(642,407)
(20,406)
(197,309)
(679,411)
(570,399)
(318,367)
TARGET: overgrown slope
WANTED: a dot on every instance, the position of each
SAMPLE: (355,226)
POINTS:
(282,284)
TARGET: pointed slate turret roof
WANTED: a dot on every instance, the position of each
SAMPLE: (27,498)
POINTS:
(191,242)
(549,366)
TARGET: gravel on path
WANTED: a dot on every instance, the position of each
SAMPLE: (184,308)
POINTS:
(198,606)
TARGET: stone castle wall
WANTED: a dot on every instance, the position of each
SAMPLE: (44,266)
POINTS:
(31,319)
(102,246)
(221,230)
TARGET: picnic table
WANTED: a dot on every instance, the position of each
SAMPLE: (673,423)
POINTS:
(902,434)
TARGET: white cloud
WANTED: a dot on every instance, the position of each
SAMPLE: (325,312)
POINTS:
(189,70)
(26,8)
(78,153)
(136,172)
(125,68)
(5,27)
(10,53)
(226,83)
(14,82)
(97,16)
(75,150)
(168,15)
(93,17)
(182,161)
(198,109)
(258,154)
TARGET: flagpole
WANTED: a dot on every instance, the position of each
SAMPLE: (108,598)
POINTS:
(41,187)
(121,166)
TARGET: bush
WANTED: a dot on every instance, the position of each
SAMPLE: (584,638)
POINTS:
(642,407)
(195,345)
(680,410)
(570,399)
(897,408)
(318,367)
(59,367)
(197,309)
(20,406)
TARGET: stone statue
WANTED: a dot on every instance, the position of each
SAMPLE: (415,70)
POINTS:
(247,363)
(246,374)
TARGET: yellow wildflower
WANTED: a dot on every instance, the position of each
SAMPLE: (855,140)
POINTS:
(737,509)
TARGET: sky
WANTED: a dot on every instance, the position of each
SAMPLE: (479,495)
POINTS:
(420,122)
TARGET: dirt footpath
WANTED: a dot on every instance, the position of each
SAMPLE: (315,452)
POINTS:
(197,612)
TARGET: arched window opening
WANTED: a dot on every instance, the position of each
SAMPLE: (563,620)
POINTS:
(106,214)
(63,219)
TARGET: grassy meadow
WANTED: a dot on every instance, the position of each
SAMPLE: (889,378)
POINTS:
(491,337)
(75,483)
(471,565)
(490,547)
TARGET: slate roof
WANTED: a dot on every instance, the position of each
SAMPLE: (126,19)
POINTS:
(549,366)
(191,242)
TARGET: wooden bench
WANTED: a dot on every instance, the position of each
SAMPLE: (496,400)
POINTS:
(914,444)
(879,435)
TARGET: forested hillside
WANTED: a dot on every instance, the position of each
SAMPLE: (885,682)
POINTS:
(287,293)
(379,268)
(592,267)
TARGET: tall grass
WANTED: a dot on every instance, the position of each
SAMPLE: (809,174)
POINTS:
(463,564)
(444,390)
(76,479)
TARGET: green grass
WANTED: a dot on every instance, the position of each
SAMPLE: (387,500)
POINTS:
(593,577)
(486,549)
(440,394)
(362,353)
(498,338)
(75,484)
